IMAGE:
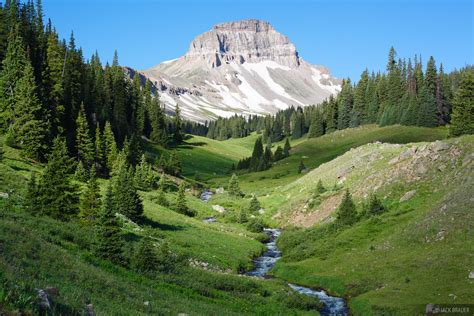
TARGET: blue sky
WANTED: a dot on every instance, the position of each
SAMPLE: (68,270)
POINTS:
(346,36)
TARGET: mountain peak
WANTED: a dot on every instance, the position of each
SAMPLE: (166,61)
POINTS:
(252,25)
(243,41)
(241,67)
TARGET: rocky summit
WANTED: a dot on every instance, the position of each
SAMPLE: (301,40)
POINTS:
(243,67)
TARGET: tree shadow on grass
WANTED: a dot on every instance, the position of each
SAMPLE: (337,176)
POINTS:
(154,224)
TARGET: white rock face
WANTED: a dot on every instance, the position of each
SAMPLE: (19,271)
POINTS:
(244,67)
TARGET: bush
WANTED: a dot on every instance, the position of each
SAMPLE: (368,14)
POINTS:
(255,225)
(301,301)
(374,206)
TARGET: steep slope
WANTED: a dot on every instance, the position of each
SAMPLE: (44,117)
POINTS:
(244,67)
(418,252)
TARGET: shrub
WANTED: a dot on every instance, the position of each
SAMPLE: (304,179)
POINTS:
(255,225)
(374,206)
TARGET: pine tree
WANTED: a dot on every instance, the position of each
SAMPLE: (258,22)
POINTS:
(30,122)
(320,187)
(144,177)
(181,206)
(286,148)
(57,195)
(100,157)
(301,166)
(80,174)
(177,122)
(462,121)
(346,212)
(257,155)
(234,188)
(345,104)
(431,77)
(145,259)
(109,237)
(53,82)
(316,128)
(375,206)
(110,146)
(13,68)
(427,109)
(254,206)
(161,198)
(84,144)
(278,155)
(267,160)
(359,111)
(158,128)
(126,198)
(90,203)
(297,125)
(242,216)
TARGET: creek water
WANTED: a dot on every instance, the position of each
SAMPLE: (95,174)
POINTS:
(333,306)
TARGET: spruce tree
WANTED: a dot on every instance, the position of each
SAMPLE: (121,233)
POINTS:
(181,206)
(177,122)
(109,237)
(345,104)
(110,147)
(462,121)
(254,206)
(100,157)
(13,66)
(297,125)
(30,122)
(320,187)
(84,144)
(145,259)
(257,155)
(316,128)
(161,198)
(278,155)
(90,203)
(53,81)
(427,109)
(126,198)
(80,174)
(234,188)
(301,166)
(374,206)
(346,212)
(57,195)
(159,133)
(359,111)
(286,148)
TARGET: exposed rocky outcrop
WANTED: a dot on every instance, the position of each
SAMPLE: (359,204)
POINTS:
(243,41)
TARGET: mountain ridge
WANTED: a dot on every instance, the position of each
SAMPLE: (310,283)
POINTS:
(243,67)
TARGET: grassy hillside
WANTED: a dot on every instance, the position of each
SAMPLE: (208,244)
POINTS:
(418,252)
(38,252)
(316,151)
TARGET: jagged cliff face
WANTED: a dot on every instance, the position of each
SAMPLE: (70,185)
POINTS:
(249,41)
(244,67)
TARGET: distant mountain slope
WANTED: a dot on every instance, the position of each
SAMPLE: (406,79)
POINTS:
(243,67)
